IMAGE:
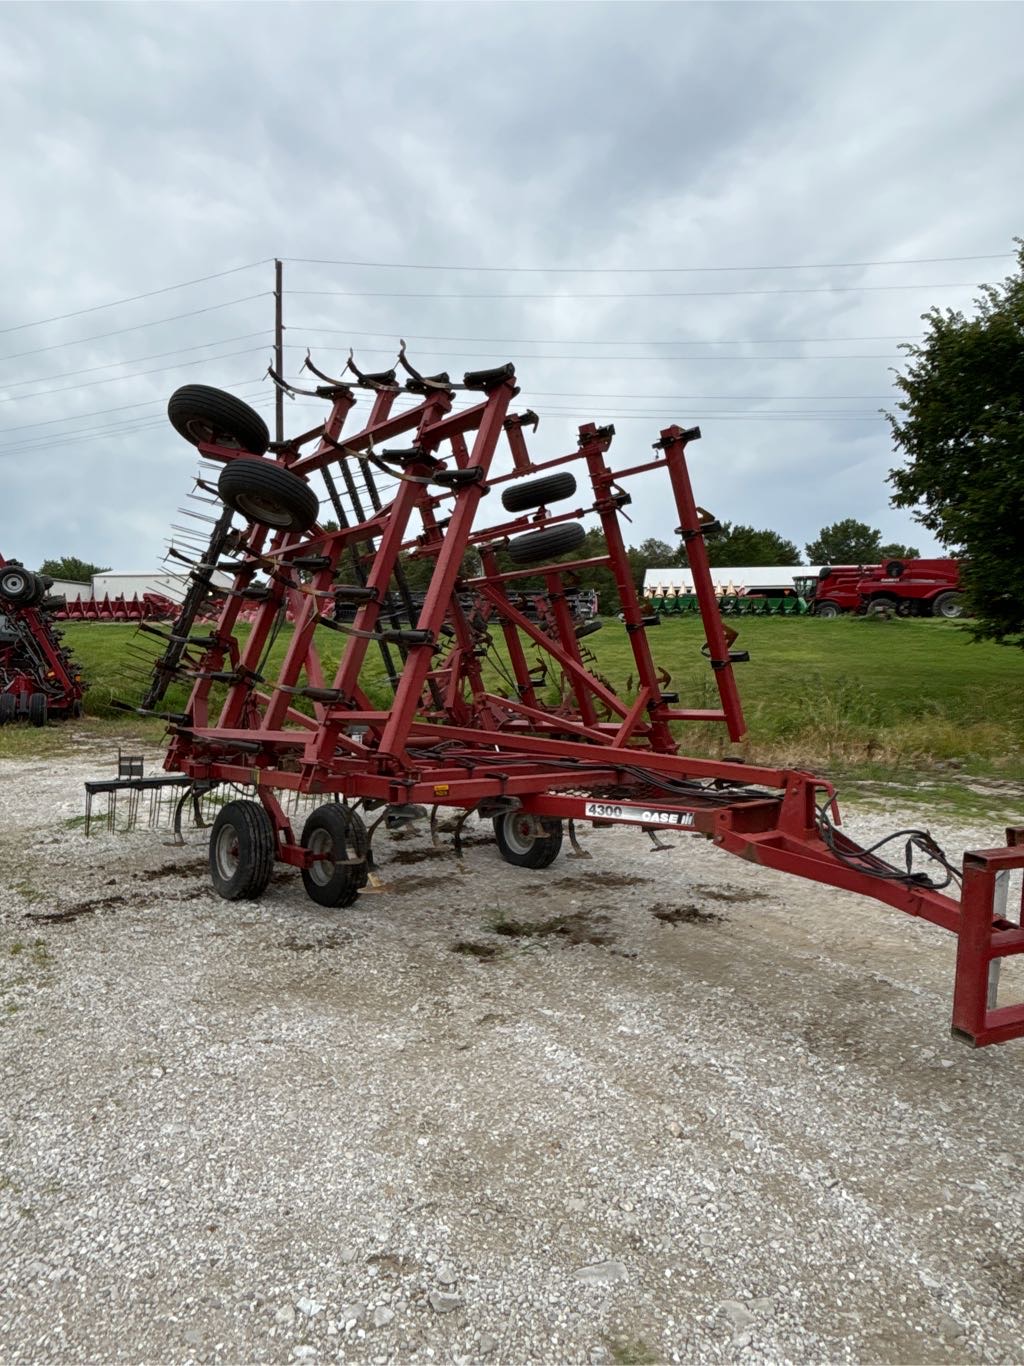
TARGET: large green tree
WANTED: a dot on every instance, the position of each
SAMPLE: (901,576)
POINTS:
(749,546)
(846,542)
(71,568)
(960,429)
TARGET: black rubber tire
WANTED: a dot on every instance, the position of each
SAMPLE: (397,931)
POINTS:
(587,628)
(948,605)
(199,413)
(537,546)
(340,831)
(880,607)
(527,841)
(56,602)
(38,711)
(535,493)
(17,584)
(8,707)
(268,493)
(242,850)
(894,569)
(38,591)
(827,609)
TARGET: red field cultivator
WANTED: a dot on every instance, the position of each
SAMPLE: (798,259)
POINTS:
(494,711)
(38,677)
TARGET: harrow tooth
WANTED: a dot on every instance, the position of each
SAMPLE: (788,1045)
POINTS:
(577,849)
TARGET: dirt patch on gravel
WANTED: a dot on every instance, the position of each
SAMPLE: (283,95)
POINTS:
(580,927)
(684,915)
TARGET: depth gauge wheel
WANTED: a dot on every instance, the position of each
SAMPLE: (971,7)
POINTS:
(242,849)
(536,546)
(337,835)
(267,493)
(527,841)
(535,493)
(199,413)
(37,709)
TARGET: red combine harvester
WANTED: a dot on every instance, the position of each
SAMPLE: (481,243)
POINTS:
(910,588)
(38,677)
(493,713)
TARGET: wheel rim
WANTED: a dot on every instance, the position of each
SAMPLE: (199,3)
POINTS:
(199,429)
(14,583)
(520,832)
(322,847)
(951,609)
(225,852)
(260,507)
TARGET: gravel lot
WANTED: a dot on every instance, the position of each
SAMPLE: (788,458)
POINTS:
(717,1116)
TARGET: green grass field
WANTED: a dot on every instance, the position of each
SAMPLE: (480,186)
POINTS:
(852,692)
(908,711)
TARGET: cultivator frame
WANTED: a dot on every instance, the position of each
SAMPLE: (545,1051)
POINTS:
(520,756)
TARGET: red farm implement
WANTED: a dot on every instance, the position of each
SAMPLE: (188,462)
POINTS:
(148,607)
(38,677)
(493,710)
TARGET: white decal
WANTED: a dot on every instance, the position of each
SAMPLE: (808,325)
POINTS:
(637,815)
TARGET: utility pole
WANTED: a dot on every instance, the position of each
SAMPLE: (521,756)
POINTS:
(278,354)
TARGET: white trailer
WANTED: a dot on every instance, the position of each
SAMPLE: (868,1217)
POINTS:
(127,584)
(753,579)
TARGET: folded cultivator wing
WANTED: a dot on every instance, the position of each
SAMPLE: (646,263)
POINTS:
(38,677)
(482,695)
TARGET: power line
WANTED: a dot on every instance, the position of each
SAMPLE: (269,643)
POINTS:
(136,374)
(584,341)
(134,298)
(100,412)
(662,294)
(642,270)
(136,360)
(137,327)
(650,360)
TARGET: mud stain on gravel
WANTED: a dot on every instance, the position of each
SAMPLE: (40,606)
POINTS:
(684,915)
(334,940)
(577,928)
(68,913)
(417,884)
(601,879)
(471,950)
(172,870)
(733,895)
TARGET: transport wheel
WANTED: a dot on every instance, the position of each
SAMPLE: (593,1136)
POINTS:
(544,545)
(16,584)
(199,413)
(8,708)
(527,841)
(880,607)
(37,709)
(587,628)
(242,849)
(535,493)
(268,493)
(948,605)
(826,609)
(338,835)
(38,591)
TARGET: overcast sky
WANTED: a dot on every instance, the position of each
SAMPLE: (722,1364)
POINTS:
(146,145)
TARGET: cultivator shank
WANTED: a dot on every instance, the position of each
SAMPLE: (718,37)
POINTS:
(484,696)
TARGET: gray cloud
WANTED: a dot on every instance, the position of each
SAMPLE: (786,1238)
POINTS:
(146,145)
